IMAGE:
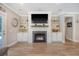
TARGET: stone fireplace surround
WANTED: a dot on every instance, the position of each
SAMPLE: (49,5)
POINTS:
(46,29)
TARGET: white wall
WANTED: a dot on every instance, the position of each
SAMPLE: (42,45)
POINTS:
(76,28)
(11,31)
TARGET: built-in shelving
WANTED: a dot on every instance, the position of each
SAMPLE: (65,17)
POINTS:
(55,24)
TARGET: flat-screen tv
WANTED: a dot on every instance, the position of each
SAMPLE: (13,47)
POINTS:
(39,18)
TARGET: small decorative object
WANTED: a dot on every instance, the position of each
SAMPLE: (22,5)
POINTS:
(55,24)
(56,28)
(22,28)
(15,22)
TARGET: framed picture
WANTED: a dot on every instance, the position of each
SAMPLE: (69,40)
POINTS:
(69,24)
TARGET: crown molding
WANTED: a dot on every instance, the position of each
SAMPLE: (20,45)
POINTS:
(70,12)
(11,9)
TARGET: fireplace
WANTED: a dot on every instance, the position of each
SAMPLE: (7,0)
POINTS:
(39,36)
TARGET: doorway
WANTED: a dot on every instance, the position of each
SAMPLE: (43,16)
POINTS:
(1,31)
(68,29)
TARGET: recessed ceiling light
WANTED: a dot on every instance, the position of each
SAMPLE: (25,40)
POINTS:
(21,4)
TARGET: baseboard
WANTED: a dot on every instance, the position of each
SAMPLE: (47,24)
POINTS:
(77,41)
(12,43)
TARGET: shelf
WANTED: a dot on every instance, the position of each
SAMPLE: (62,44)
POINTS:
(39,26)
(55,24)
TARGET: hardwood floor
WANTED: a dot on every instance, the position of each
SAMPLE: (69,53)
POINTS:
(43,49)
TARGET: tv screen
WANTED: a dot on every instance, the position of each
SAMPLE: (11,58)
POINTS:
(39,18)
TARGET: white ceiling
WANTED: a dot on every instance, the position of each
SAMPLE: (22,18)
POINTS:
(22,9)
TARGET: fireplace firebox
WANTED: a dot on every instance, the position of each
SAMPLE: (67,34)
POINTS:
(39,36)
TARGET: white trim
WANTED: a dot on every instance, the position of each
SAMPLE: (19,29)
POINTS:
(69,13)
(76,41)
(12,43)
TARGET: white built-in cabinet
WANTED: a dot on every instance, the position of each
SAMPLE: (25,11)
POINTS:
(22,36)
(57,37)
(56,30)
(56,34)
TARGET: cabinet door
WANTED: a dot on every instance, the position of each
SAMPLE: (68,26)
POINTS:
(19,36)
(24,36)
(54,37)
(59,37)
